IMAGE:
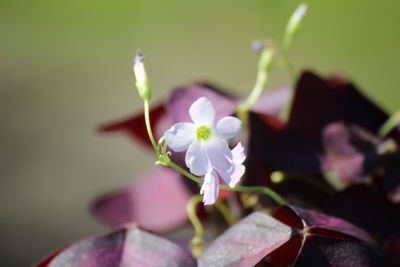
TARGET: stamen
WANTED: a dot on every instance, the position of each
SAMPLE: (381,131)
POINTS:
(203,133)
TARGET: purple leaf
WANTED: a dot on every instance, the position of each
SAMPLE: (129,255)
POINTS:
(274,146)
(392,177)
(327,252)
(181,98)
(128,246)
(349,151)
(321,240)
(135,125)
(367,208)
(272,102)
(318,102)
(319,222)
(247,242)
(156,202)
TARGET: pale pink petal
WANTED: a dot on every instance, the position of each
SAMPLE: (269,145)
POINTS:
(228,127)
(238,154)
(180,136)
(196,159)
(202,112)
(219,154)
(232,176)
(210,188)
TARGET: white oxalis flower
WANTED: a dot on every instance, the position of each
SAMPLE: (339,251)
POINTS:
(208,152)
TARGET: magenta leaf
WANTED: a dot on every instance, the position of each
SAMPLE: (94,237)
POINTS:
(156,202)
(296,237)
(272,101)
(181,98)
(127,246)
(246,243)
(349,151)
(321,240)
(327,225)
(135,125)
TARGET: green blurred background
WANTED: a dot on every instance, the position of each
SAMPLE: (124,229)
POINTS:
(65,67)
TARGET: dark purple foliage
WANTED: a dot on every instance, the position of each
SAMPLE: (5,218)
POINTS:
(331,128)
(295,236)
(127,246)
(247,242)
(322,240)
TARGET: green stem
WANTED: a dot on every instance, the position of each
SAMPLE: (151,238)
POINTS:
(257,189)
(291,71)
(288,65)
(392,122)
(247,189)
(264,66)
(197,240)
(148,126)
(225,211)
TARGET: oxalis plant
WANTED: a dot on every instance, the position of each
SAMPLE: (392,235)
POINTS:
(307,176)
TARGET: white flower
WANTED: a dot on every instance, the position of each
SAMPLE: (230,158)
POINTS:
(208,152)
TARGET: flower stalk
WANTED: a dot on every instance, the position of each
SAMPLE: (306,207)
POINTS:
(245,189)
(196,243)
(264,66)
(148,126)
(392,122)
(291,30)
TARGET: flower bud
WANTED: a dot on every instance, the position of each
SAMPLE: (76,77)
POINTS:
(294,24)
(142,83)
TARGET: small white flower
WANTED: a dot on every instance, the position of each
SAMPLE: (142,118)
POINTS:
(208,152)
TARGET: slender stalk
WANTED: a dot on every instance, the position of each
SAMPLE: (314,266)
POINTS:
(197,240)
(291,71)
(391,123)
(248,189)
(264,66)
(291,30)
(225,211)
(288,65)
(148,126)
(257,189)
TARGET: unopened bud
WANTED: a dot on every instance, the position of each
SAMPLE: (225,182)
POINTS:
(142,83)
(258,45)
(294,24)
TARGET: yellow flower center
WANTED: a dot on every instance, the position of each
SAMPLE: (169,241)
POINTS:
(203,133)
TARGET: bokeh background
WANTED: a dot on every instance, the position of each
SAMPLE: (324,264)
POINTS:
(65,67)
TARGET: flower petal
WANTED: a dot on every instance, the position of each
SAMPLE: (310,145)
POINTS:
(232,177)
(196,159)
(228,127)
(238,155)
(219,154)
(210,188)
(180,136)
(202,112)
